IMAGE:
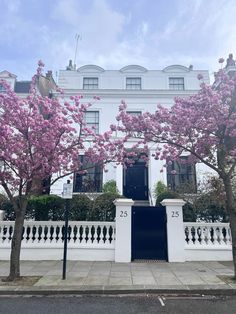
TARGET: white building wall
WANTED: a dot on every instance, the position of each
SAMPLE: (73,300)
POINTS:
(112,89)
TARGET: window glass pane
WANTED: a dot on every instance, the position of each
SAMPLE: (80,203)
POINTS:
(181,176)
(92,120)
(176,83)
(133,83)
(134,113)
(2,89)
(90,83)
(92,180)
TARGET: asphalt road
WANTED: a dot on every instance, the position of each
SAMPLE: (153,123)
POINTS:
(117,304)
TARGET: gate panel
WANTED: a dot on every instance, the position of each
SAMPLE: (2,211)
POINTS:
(149,239)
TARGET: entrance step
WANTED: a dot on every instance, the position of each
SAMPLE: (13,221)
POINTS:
(141,203)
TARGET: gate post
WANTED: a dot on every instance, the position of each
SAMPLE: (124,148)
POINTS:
(175,229)
(123,230)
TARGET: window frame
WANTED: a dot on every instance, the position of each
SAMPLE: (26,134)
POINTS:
(131,84)
(95,123)
(134,113)
(2,88)
(186,174)
(90,85)
(172,85)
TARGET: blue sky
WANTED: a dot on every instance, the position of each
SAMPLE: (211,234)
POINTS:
(115,33)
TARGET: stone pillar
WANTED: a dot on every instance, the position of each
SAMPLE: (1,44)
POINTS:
(175,229)
(123,230)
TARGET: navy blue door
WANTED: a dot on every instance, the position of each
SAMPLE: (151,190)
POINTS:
(135,183)
(149,233)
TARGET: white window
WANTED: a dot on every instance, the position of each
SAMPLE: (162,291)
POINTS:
(92,120)
(2,88)
(176,83)
(134,113)
(133,83)
(90,83)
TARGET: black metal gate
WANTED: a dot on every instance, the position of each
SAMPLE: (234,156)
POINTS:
(149,239)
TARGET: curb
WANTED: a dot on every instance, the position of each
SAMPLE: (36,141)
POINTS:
(99,292)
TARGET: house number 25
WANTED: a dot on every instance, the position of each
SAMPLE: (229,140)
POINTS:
(123,213)
(175,214)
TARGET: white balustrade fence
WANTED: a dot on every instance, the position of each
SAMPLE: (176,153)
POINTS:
(45,239)
(111,241)
(207,241)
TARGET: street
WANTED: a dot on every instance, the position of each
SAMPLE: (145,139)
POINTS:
(117,304)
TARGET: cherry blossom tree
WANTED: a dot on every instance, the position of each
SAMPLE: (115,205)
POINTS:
(203,125)
(41,137)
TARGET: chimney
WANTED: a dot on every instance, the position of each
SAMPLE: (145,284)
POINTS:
(49,74)
(70,66)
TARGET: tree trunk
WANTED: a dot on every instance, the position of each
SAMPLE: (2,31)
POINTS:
(16,245)
(231,208)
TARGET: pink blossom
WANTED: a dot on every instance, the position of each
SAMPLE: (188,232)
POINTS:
(40,63)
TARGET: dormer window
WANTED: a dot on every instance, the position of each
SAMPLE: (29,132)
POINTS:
(90,83)
(2,88)
(133,83)
(135,113)
(176,83)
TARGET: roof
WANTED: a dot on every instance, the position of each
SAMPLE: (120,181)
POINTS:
(7,74)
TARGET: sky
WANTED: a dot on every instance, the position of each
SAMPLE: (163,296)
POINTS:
(115,33)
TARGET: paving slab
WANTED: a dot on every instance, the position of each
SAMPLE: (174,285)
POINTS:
(96,280)
(126,277)
(121,274)
(140,280)
(121,281)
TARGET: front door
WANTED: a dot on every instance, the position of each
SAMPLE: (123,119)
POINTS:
(149,239)
(135,183)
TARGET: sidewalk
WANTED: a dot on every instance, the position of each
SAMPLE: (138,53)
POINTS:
(109,277)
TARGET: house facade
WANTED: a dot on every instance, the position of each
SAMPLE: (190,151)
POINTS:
(45,85)
(142,90)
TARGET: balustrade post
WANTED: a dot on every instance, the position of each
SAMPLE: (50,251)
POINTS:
(2,213)
(123,230)
(175,229)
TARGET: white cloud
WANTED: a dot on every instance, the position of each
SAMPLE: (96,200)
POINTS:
(12,5)
(197,32)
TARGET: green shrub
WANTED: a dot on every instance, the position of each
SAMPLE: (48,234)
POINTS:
(8,208)
(159,188)
(166,194)
(80,207)
(46,207)
(189,213)
(110,187)
(209,209)
(104,208)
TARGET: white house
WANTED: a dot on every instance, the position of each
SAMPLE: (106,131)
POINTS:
(142,90)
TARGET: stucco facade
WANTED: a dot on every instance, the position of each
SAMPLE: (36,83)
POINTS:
(142,90)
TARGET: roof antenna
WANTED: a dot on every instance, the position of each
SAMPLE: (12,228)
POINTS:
(77,38)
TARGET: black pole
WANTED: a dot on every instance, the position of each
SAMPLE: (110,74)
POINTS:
(65,238)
